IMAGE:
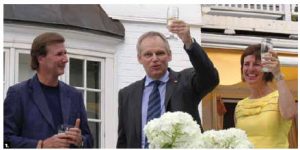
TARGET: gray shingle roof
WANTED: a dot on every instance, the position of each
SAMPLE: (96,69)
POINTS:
(87,17)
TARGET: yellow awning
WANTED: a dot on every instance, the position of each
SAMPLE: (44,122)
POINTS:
(227,63)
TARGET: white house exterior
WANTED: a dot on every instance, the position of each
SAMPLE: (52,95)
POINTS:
(114,60)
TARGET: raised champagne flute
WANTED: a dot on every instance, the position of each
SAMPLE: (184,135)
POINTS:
(172,14)
(266,46)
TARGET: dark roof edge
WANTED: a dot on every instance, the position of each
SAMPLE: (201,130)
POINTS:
(62,26)
(83,17)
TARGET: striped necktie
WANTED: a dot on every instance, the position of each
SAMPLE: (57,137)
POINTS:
(154,108)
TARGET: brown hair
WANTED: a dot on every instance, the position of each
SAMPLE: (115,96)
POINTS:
(39,45)
(255,50)
(152,34)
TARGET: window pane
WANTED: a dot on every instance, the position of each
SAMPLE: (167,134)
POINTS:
(228,121)
(93,74)
(95,130)
(4,67)
(4,81)
(76,72)
(25,71)
(93,105)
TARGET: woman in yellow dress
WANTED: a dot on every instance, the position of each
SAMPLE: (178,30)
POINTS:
(266,114)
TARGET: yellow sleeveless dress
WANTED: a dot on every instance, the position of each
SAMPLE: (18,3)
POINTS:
(261,120)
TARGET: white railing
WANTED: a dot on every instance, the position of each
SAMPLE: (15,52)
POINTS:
(283,11)
(275,8)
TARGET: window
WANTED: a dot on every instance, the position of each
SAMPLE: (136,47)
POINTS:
(86,74)
(24,69)
(230,104)
(16,66)
(5,72)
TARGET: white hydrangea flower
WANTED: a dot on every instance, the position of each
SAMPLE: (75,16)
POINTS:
(179,130)
(230,138)
(172,130)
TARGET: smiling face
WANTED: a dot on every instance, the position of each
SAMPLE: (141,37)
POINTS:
(251,70)
(154,56)
(251,66)
(55,60)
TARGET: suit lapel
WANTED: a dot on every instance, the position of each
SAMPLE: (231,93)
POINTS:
(137,108)
(65,102)
(40,101)
(171,86)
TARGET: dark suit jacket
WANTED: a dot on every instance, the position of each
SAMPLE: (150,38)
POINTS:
(28,119)
(184,90)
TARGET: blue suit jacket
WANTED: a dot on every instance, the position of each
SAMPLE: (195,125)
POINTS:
(28,119)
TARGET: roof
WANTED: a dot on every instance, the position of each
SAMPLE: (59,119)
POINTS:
(88,17)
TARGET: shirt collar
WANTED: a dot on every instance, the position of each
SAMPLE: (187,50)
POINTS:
(163,79)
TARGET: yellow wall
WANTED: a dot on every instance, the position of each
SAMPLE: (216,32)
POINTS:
(227,62)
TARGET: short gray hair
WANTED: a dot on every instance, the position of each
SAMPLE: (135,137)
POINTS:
(152,34)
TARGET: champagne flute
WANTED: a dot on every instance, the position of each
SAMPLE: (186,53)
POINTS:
(266,46)
(172,14)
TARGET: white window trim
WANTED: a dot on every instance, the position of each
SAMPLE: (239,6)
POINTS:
(6,68)
(101,89)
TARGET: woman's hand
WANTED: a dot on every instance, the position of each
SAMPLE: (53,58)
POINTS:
(272,63)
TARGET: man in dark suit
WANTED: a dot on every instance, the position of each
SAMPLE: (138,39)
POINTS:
(177,91)
(34,109)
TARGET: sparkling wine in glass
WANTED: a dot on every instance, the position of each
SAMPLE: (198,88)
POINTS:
(266,46)
(172,14)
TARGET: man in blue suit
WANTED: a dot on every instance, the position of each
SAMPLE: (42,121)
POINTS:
(34,109)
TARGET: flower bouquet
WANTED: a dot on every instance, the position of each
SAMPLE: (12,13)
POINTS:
(179,130)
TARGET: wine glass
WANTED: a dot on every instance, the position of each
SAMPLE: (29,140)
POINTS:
(172,14)
(63,128)
(266,46)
